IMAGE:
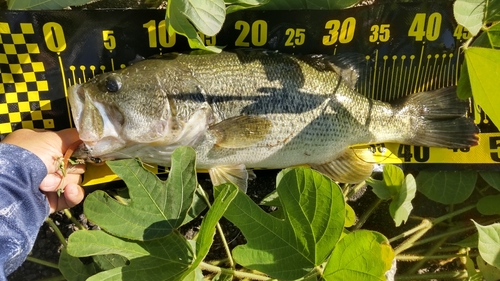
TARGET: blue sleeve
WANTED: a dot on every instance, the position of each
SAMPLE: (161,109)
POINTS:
(23,207)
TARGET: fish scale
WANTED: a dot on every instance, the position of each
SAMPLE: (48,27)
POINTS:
(255,109)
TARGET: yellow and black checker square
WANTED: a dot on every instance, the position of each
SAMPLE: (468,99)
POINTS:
(24,102)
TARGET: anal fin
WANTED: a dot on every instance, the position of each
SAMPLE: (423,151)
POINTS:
(353,166)
(237,174)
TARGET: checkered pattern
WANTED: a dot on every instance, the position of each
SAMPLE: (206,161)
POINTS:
(23,88)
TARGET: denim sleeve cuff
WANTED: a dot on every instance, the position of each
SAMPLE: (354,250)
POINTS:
(23,207)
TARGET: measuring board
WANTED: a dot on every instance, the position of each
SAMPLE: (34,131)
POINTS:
(398,49)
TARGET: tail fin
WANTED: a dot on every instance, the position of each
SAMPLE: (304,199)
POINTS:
(442,120)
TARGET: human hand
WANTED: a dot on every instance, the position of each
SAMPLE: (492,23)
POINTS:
(50,147)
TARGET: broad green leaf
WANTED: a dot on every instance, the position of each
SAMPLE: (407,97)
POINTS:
(446,187)
(330,4)
(360,255)
(166,258)
(400,207)
(393,178)
(350,216)
(290,248)
(73,269)
(492,178)
(492,11)
(473,275)
(107,262)
(470,242)
(156,207)
(394,185)
(490,38)
(236,5)
(489,243)
(464,90)
(309,4)
(207,16)
(43,4)
(489,205)
(490,273)
(469,13)
(207,228)
(484,68)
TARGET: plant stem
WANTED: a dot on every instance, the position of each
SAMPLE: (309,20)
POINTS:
(412,258)
(367,214)
(68,213)
(57,231)
(423,224)
(42,262)
(430,252)
(461,274)
(411,241)
(452,214)
(219,229)
(237,274)
(446,234)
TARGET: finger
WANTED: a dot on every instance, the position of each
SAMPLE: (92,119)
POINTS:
(53,181)
(68,137)
(73,195)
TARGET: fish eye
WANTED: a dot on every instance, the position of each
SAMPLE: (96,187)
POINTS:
(113,84)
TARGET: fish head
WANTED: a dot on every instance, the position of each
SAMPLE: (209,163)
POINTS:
(117,110)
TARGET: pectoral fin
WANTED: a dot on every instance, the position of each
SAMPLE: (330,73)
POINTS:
(353,166)
(240,131)
(236,174)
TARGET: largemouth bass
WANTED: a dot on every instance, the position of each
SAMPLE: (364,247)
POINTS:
(255,109)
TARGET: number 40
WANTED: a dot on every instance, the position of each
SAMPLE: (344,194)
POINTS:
(423,27)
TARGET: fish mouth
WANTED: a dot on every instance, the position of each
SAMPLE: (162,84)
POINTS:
(98,125)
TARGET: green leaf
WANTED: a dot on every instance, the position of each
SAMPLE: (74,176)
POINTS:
(490,273)
(492,11)
(446,187)
(309,4)
(492,178)
(236,5)
(360,255)
(488,205)
(350,216)
(402,190)
(166,258)
(470,241)
(473,275)
(464,90)
(400,207)
(484,68)
(73,269)
(156,208)
(330,4)
(43,4)
(489,243)
(290,248)
(207,16)
(469,13)
(490,38)
(393,178)
(207,228)
(107,262)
